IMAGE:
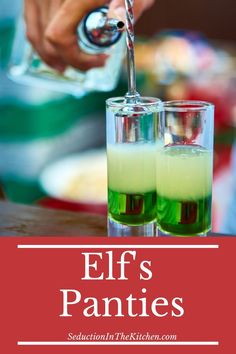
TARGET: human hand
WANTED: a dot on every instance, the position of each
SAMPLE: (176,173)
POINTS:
(51,29)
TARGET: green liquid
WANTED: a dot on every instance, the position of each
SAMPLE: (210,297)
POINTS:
(132,209)
(186,217)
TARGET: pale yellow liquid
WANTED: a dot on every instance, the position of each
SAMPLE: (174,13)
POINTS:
(131,167)
(184,172)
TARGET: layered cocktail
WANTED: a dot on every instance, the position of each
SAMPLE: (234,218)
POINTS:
(184,185)
(132,131)
(184,168)
(132,189)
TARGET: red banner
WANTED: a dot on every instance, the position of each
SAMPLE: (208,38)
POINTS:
(81,295)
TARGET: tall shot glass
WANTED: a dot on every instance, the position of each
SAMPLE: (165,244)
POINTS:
(184,165)
(132,130)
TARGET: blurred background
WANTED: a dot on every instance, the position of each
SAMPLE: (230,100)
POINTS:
(52,144)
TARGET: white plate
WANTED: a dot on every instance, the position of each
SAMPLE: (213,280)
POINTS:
(79,178)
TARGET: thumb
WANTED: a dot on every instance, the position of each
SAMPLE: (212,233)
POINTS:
(117,10)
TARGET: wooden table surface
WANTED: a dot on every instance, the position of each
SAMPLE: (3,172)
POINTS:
(23,220)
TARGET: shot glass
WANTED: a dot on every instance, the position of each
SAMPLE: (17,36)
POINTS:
(184,168)
(132,131)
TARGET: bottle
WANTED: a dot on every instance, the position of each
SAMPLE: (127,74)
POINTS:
(96,34)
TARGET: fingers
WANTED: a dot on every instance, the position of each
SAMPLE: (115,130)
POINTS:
(48,8)
(72,55)
(52,30)
(67,18)
(43,12)
(36,17)
(117,8)
(53,8)
(32,22)
(62,34)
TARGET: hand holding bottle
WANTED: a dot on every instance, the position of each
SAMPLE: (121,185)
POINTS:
(52,29)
